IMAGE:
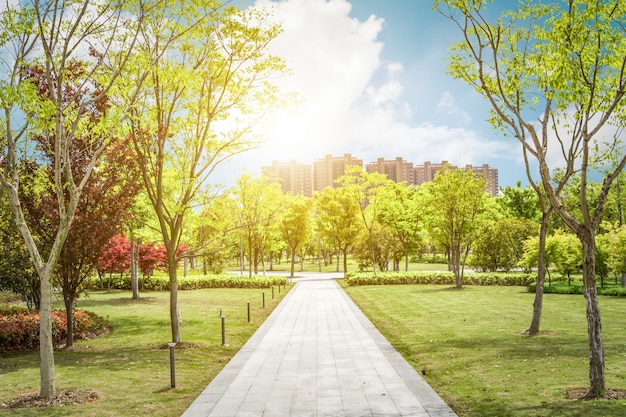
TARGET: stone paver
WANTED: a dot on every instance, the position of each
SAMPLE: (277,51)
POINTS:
(318,355)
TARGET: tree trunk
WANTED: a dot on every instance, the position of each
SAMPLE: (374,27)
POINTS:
(535,323)
(594,323)
(69,312)
(345,261)
(174,313)
(623,279)
(46,348)
(134,268)
(293,262)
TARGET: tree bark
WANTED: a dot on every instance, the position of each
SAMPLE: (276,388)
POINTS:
(535,323)
(46,347)
(594,323)
(134,267)
(174,313)
(69,312)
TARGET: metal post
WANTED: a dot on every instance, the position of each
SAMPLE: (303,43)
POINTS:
(223,330)
(248,311)
(263,299)
(172,345)
(272,292)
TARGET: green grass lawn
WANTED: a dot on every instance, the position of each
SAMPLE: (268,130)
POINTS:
(129,369)
(469,346)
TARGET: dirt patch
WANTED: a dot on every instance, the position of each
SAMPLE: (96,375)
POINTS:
(583,394)
(60,400)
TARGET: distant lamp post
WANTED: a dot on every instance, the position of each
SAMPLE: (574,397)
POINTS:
(172,345)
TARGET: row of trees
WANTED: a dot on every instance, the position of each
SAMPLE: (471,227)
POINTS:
(176,86)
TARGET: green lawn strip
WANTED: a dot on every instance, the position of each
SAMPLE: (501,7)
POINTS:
(468,345)
(129,369)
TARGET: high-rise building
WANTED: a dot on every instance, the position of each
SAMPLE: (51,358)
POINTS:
(397,170)
(491,177)
(328,169)
(295,177)
(426,173)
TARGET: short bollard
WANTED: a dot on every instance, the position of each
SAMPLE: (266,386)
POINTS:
(223,330)
(172,345)
(279,289)
(248,311)
(272,292)
(263,299)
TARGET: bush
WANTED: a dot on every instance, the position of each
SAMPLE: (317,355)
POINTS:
(577,288)
(437,278)
(162,283)
(19,332)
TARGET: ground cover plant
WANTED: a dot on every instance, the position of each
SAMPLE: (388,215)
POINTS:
(468,346)
(127,372)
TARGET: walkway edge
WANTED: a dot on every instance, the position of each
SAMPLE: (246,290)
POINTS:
(431,401)
(218,385)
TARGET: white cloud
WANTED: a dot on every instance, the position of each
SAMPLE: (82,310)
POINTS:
(334,59)
(448,105)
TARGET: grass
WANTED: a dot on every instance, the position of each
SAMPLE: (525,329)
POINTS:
(468,345)
(129,369)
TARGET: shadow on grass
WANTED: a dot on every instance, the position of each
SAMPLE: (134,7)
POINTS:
(86,302)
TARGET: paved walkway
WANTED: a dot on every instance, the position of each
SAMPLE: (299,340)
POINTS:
(318,355)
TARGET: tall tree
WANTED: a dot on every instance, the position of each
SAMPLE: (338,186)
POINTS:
(53,34)
(259,203)
(364,188)
(337,219)
(197,88)
(296,225)
(566,63)
(400,210)
(453,201)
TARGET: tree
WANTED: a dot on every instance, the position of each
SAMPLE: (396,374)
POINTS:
(364,187)
(453,201)
(518,202)
(259,203)
(52,34)
(114,257)
(565,63)
(337,219)
(16,269)
(614,243)
(296,225)
(213,238)
(105,197)
(400,211)
(500,243)
(193,96)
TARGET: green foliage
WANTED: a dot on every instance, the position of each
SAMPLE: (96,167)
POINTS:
(500,244)
(438,278)
(562,287)
(161,283)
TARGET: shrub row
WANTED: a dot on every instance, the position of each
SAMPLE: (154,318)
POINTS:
(162,283)
(563,288)
(438,278)
(19,332)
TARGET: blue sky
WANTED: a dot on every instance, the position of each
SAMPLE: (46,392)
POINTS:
(372,75)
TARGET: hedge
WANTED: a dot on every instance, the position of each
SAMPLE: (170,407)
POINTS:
(563,288)
(438,278)
(196,282)
(19,331)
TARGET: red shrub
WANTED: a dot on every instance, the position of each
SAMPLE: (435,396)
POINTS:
(20,332)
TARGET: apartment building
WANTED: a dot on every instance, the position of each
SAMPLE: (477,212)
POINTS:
(397,169)
(304,179)
(295,177)
(328,169)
